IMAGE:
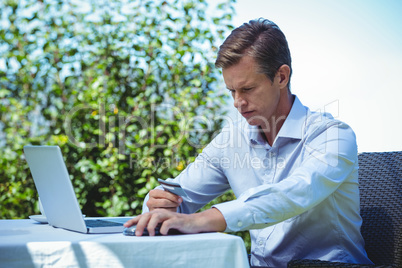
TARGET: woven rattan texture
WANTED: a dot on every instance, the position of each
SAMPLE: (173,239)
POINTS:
(322,264)
(380,178)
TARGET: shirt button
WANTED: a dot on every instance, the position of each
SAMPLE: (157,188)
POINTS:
(239,224)
(260,243)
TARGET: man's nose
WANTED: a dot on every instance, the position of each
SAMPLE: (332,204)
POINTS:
(239,101)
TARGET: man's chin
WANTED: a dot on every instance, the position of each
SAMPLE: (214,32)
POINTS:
(253,122)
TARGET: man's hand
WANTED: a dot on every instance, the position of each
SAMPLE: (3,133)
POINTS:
(163,199)
(210,220)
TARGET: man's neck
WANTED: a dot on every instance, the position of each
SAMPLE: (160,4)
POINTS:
(276,122)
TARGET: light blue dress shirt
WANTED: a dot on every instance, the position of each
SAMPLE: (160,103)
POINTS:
(299,197)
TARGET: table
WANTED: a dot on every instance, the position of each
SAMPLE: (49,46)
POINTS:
(25,243)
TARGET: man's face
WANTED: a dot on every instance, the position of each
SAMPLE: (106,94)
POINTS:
(255,96)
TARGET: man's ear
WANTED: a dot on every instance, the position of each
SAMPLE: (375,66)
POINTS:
(282,75)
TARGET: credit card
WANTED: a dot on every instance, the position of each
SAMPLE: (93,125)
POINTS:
(172,187)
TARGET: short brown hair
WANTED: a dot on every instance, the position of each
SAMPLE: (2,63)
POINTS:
(261,39)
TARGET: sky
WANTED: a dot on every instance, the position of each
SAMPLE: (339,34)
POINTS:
(346,60)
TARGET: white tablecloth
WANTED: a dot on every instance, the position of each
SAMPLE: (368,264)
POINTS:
(25,243)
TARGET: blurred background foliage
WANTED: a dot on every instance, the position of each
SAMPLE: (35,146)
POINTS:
(127,89)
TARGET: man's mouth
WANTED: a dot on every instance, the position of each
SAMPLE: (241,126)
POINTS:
(247,113)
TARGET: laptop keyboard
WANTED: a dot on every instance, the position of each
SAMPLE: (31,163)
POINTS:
(101,223)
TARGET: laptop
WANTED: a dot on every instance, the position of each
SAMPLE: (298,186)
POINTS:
(57,195)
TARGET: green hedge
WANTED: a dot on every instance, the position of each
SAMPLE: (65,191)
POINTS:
(127,89)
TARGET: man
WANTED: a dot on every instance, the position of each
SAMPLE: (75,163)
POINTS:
(293,171)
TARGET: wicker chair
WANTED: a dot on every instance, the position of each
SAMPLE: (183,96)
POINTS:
(380,177)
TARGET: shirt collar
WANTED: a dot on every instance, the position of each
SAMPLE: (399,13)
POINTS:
(294,123)
(293,126)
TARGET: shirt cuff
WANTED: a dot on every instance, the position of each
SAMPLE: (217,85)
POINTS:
(237,216)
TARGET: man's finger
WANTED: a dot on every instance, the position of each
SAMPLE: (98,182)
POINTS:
(155,221)
(132,221)
(142,223)
(162,194)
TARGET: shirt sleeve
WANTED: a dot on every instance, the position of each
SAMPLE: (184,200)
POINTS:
(329,158)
